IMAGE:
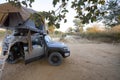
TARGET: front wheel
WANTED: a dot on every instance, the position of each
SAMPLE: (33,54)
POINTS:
(55,59)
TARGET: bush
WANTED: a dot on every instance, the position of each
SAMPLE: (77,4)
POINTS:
(2,33)
(102,36)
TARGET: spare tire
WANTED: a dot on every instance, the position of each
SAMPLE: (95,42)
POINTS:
(55,59)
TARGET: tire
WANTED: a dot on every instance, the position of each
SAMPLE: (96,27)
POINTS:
(11,59)
(55,59)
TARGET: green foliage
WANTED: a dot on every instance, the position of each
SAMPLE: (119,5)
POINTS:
(79,25)
(23,2)
(70,30)
(53,18)
(37,19)
(55,2)
(80,6)
(89,6)
(112,18)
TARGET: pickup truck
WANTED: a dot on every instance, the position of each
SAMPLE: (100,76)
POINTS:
(42,46)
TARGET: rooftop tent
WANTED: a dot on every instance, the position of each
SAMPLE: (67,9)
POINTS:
(29,24)
(11,16)
(11,19)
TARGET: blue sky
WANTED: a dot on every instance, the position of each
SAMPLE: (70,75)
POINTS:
(46,5)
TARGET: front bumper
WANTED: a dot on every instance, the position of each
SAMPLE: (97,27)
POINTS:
(67,54)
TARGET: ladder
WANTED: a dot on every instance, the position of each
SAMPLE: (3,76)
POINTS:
(3,61)
(2,64)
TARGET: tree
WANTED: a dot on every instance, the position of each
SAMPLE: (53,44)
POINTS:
(58,32)
(86,10)
(70,30)
(51,29)
(78,24)
(112,18)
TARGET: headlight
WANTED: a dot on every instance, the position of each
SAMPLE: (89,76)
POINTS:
(65,49)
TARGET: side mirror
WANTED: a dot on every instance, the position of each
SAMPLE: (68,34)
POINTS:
(47,32)
(44,34)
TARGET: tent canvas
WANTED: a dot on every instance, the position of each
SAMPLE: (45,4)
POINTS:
(11,16)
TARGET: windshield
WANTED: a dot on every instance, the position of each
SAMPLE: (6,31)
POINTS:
(48,39)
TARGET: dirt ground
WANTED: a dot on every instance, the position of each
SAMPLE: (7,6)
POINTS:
(88,61)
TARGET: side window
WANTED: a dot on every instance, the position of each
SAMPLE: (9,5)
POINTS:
(48,39)
(37,41)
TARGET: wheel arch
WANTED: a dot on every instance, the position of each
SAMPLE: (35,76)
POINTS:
(51,51)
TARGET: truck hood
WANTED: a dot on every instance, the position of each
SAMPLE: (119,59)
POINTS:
(56,44)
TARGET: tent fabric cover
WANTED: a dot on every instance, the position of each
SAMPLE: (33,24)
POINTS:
(7,8)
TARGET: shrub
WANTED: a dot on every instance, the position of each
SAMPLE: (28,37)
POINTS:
(103,36)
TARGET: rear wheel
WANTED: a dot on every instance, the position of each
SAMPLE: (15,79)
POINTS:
(11,59)
(16,52)
(55,59)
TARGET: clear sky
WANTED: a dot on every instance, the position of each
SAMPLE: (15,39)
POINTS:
(46,5)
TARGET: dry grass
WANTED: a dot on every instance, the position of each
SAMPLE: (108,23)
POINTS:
(116,29)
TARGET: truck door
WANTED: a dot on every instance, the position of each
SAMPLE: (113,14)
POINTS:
(37,49)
